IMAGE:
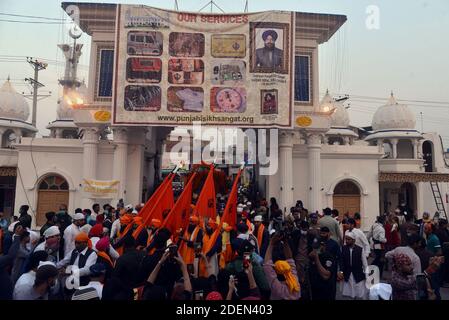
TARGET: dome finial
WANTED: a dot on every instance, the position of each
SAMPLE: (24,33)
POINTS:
(392,100)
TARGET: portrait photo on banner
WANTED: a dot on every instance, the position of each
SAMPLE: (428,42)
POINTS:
(269,45)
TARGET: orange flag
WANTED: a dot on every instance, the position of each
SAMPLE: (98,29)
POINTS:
(229,214)
(151,202)
(206,204)
(230,211)
(163,203)
(179,215)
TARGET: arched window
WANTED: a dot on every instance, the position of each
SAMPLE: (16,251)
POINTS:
(347,187)
(54,182)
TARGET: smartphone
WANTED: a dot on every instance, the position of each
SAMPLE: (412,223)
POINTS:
(199,295)
(421,284)
(246,259)
(173,249)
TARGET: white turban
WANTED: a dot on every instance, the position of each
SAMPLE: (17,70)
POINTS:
(52,231)
(46,263)
(78,216)
(350,234)
(258,219)
(86,228)
(239,209)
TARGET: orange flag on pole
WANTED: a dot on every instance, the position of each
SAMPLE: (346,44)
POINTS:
(230,211)
(179,215)
(206,204)
(152,201)
(163,203)
(229,214)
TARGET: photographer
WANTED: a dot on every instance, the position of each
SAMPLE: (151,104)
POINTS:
(322,272)
(281,275)
(245,257)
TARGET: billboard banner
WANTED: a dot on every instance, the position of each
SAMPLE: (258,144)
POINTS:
(101,189)
(173,68)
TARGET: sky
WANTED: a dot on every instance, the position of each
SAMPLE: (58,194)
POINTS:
(406,54)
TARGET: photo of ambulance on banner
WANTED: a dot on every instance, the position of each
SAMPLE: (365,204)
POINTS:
(172,68)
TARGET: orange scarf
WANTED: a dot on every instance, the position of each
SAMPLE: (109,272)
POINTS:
(187,253)
(260,235)
(106,257)
(202,271)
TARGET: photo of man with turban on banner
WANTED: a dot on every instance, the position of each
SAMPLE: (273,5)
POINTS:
(269,56)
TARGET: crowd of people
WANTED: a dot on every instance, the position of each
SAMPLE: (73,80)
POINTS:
(268,255)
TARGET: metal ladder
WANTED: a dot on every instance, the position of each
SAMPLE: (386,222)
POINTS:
(438,199)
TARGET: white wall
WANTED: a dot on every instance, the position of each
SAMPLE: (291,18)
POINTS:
(62,156)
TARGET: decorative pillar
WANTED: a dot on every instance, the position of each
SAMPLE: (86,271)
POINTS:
(380,145)
(394,143)
(345,140)
(90,155)
(415,148)
(120,136)
(58,133)
(18,134)
(286,168)
(2,131)
(314,167)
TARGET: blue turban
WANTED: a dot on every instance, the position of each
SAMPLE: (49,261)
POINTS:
(271,33)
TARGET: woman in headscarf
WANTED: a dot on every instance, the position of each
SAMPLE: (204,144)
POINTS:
(402,280)
(281,275)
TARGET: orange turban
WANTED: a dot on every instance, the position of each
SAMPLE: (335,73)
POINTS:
(83,237)
(126,219)
(211,223)
(194,219)
(156,223)
(138,220)
(283,268)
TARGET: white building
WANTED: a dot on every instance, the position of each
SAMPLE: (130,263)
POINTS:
(323,161)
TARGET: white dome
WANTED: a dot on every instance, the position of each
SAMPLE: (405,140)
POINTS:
(64,111)
(12,104)
(340,117)
(393,116)
(327,103)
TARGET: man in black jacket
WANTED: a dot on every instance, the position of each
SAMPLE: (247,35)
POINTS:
(353,266)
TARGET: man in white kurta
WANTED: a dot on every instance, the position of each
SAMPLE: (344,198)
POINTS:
(357,268)
(360,238)
(71,232)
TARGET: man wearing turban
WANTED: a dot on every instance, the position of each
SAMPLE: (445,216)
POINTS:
(269,56)
(83,257)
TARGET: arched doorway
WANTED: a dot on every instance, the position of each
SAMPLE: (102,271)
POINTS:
(53,191)
(346,198)
(427,154)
